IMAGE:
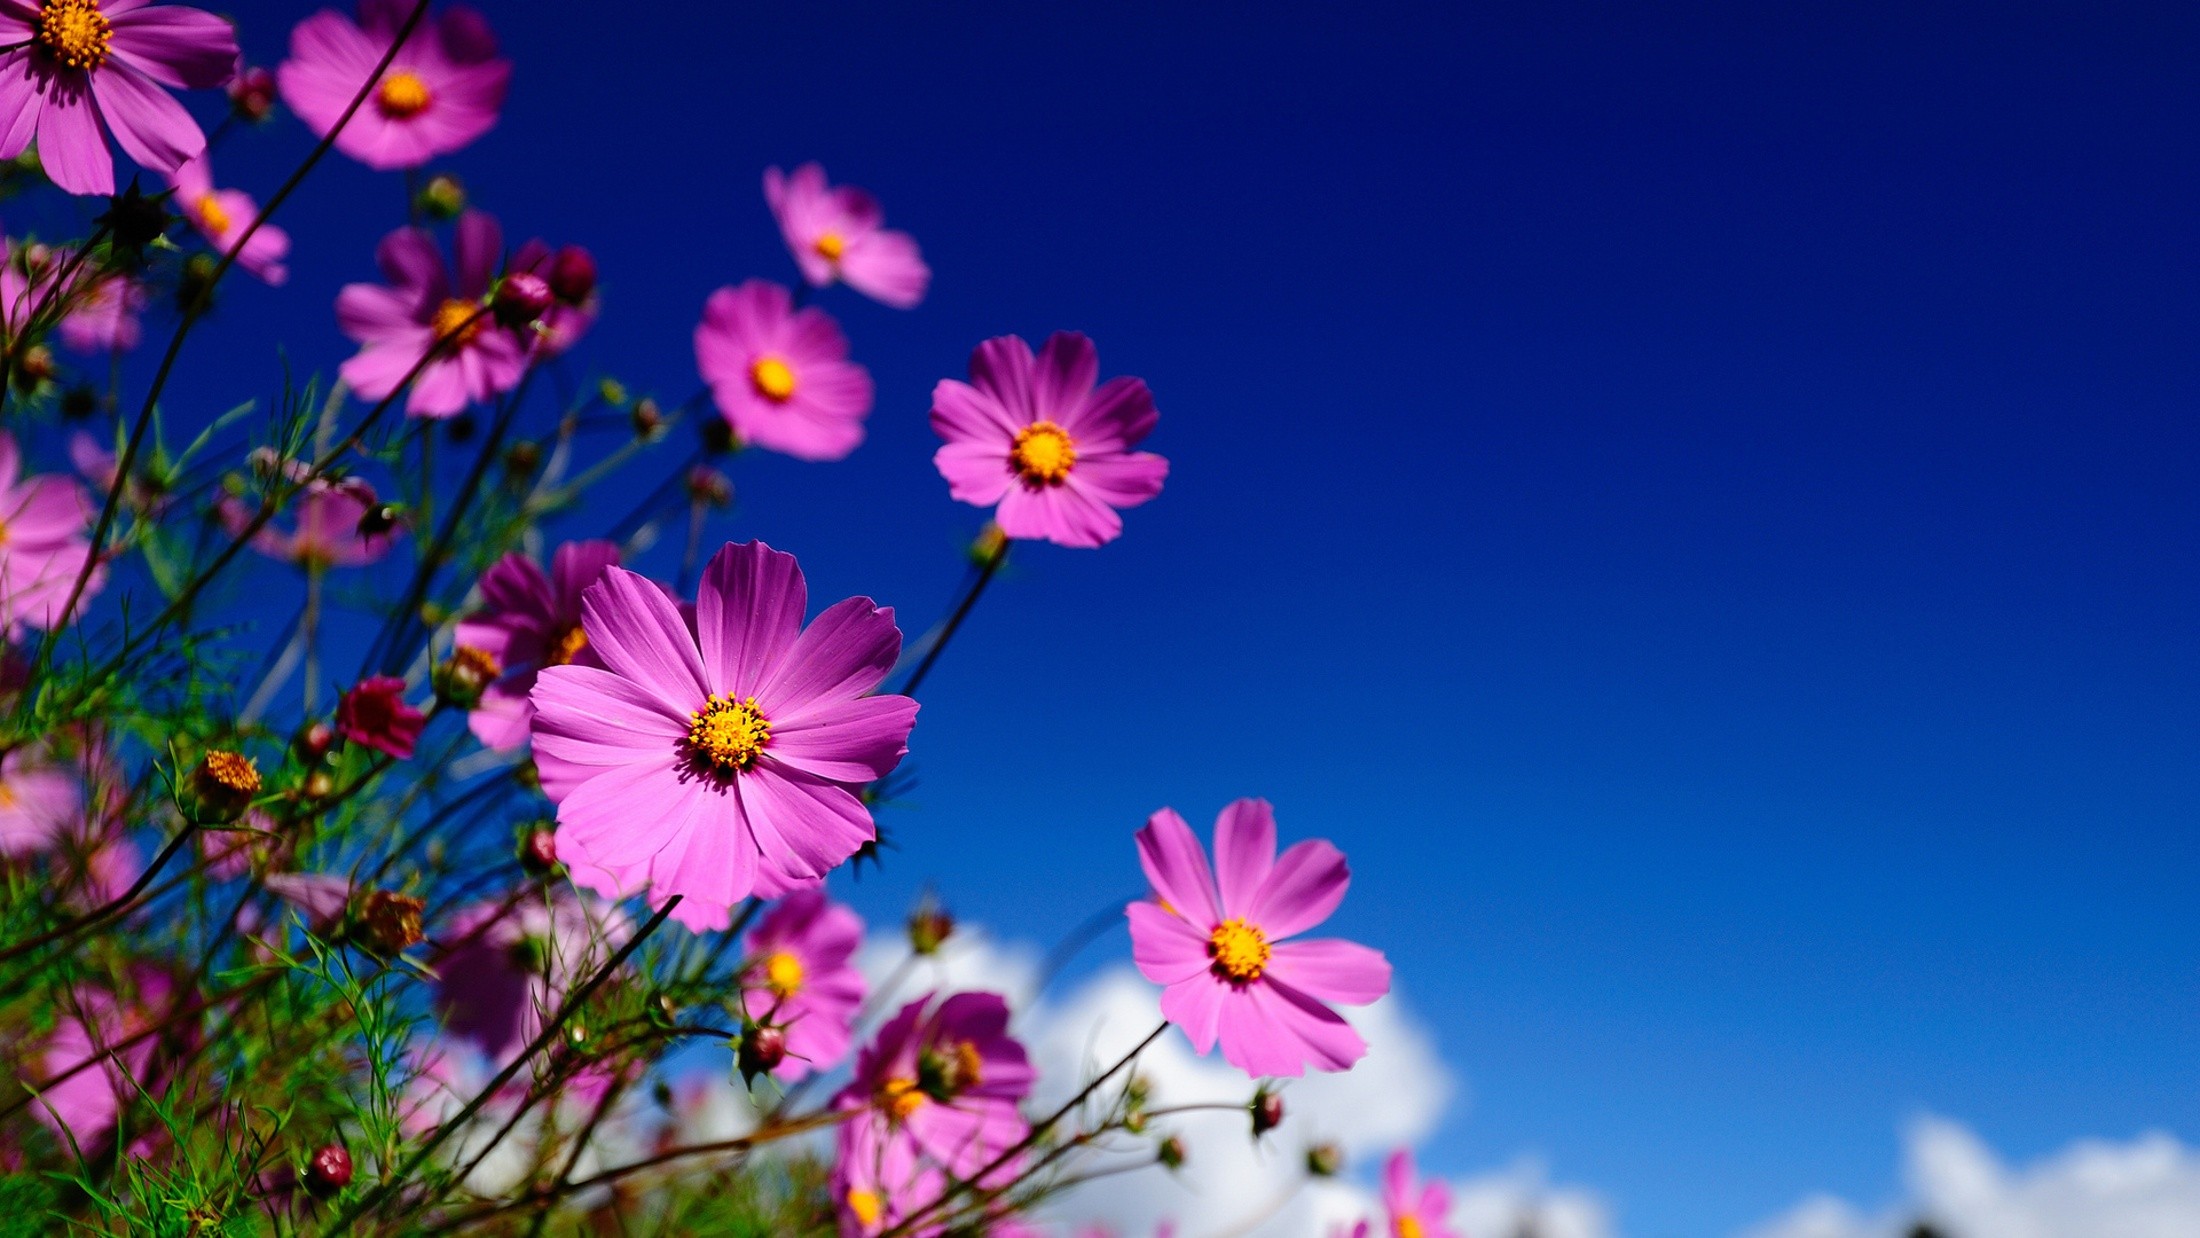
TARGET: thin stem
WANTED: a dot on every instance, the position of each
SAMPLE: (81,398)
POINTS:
(986,570)
(107,911)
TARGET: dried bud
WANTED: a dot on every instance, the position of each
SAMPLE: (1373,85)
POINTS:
(135,220)
(573,275)
(523,457)
(328,1170)
(520,299)
(1267,1108)
(538,850)
(1324,1160)
(388,922)
(1170,1153)
(709,487)
(443,197)
(223,784)
(761,1051)
(649,420)
(930,926)
(314,741)
(252,94)
(461,678)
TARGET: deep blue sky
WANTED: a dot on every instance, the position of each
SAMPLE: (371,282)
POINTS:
(1698,504)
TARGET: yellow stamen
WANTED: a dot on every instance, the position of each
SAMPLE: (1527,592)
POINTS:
(74,32)
(568,646)
(866,1206)
(1406,1227)
(1043,454)
(900,1097)
(211,215)
(969,1067)
(774,379)
(1239,951)
(477,662)
(727,734)
(783,973)
(458,321)
(234,771)
(402,95)
(830,246)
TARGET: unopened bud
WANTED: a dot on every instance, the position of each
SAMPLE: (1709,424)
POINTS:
(530,956)
(520,299)
(611,391)
(135,220)
(224,783)
(380,519)
(1267,1109)
(195,285)
(319,785)
(389,922)
(649,420)
(328,1170)
(1170,1153)
(1324,1160)
(538,851)
(33,366)
(930,925)
(709,487)
(522,458)
(460,679)
(573,274)
(989,545)
(443,197)
(252,94)
(718,436)
(314,741)
(762,1049)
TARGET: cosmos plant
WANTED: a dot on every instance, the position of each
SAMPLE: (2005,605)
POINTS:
(419,813)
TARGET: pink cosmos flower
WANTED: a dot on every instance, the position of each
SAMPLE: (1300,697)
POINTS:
(45,522)
(1033,435)
(39,798)
(576,303)
(529,620)
(374,715)
(325,898)
(96,1060)
(75,67)
(880,1180)
(1220,953)
(223,215)
(511,965)
(102,314)
(780,375)
(1420,1210)
(835,232)
(946,1076)
(422,309)
(721,759)
(802,976)
(441,92)
(325,532)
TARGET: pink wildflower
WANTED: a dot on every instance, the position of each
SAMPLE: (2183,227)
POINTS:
(510,965)
(527,621)
(441,92)
(720,759)
(223,215)
(76,67)
(947,1075)
(39,798)
(575,304)
(802,976)
(100,313)
(1034,436)
(98,1058)
(421,309)
(1220,953)
(880,1180)
(835,232)
(45,523)
(374,715)
(1417,1210)
(781,376)
(326,531)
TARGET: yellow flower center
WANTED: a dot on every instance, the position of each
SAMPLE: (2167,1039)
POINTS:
(774,379)
(1239,951)
(783,973)
(211,215)
(866,1206)
(402,95)
(479,663)
(969,1066)
(458,321)
(728,734)
(830,246)
(74,32)
(1043,454)
(234,771)
(901,1097)
(1406,1227)
(568,646)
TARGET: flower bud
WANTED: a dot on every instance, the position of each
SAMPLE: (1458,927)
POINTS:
(520,299)
(1267,1108)
(319,785)
(133,221)
(1324,1160)
(380,519)
(761,1051)
(195,284)
(573,274)
(460,679)
(538,850)
(1170,1153)
(460,429)
(33,366)
(718,436)
(443,197)
(313,742)
(649,420)
(530,956)
(990,544)
(252,94)
(930,926)
(611,391)
(223,785)
(388,923)
(328,1170)
(709,487)
(522,458)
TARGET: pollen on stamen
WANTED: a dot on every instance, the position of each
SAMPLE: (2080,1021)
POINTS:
(783,973)
(568,646)
(1239,950)
(901,1097)
(74,32)
(211,215)
(1043,454)
(830,246)
(458,321)
(726,735)
(773,379)
(402,95)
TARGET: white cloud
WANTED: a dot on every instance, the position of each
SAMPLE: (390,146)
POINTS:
(2147,1188)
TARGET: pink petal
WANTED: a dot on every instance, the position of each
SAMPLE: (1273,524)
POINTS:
(1245,849)
(70,145)
(18,103)
(1308,882)
(1064,515)
(174,45)
(638,633)
(976,473)
(1068,366)
(846,652)
(478,250)
(886,267)
(1331,970)
(587,716)
(1278,1032)
(371,312)
(747,615)
(1177,868)
(804,826)
(1167,950)
(846,741)
(1119,415)
(626,814)
(1196,1007)
(962,412)
(1120,480)
(1001,367)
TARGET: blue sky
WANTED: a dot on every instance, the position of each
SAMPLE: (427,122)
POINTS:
(1697,503)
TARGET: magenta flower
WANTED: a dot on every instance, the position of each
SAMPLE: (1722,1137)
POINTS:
(1034,436)
(223,215)
(45,526)
(836,233)
(880,1180)
(422,309)
(326,530)
(802,976)
(75,69)
(780,375)
(39,798)
(1417,1210)
(1220,953)
(101,314)
(374,715)
(511,965)
(575,305)
(441,92)
(527,621)
(946,1075)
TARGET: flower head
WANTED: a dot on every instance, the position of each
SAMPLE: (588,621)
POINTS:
(1220,951)
(79,69)
(946,1074)
(374,715)
(512,963)
(326,531)
(781,376)
(39,798)
(574,301)
(528,620)
(99,1057)
(45,522)
(836,232)
(801,975)
(719,760)
(1417,1209)
(442,90)
(423,309)
(223,215)
(1033,435)
(101,311)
